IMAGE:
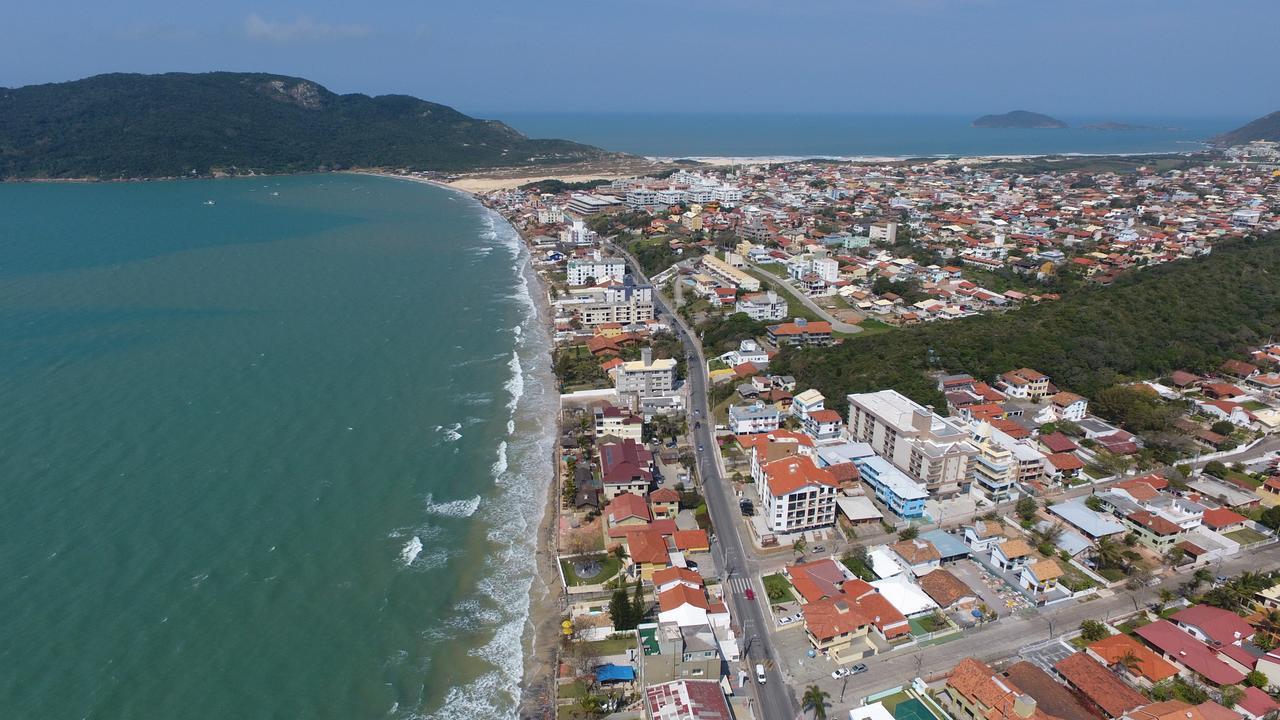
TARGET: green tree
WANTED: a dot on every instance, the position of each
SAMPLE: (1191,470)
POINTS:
(910,532)
(1223,427)
(1256,678)
(638,607)
(1093,631)
(816,700)
(1271,517)
(620,611)
(1231,694)
(1216,469)
(1094,503)
(1026,507)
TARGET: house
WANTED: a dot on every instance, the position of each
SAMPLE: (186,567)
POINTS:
(1011,554)
(691,541)
(902,495)
(1184,650)
(625,466)
(918,556)
(1213,625)
(801,332)
(984,535)
(648,551)
(627,509)
(619,423)
(1024,384)
(1223,520)
(1093,525)
(807,402)
(836,627)
(1147,667)
(1041,576)
(1068,406)
(1178,710)
(947,590)
(667,578)
(816,580)
(754,418)
(823,424)
(1050,695)
(1056,442)
(1098,685)
(687,700)
(1153,531)
(683,606)
(664,503)
(973,690)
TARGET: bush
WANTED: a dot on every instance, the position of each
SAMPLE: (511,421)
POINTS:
(1093,631)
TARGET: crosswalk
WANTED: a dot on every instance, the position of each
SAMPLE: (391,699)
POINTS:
(738,585)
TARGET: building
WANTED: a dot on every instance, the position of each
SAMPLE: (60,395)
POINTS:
(928,448)
(728,275)
(823,424)
(994,468)
(625,466)
(618,422)
(595,271)
(891,486)
(884,233)
(798,495)
(1098,685)
(1024,384)
(762,306)
(801,333)
(625,303)
(646,377)
(975,692)
(754,418)
(687,700)
(583,204)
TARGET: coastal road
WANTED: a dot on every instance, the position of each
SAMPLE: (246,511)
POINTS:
(788,290)
(774,700)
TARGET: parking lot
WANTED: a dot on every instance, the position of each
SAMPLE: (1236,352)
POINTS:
(991,589)
(1046,654)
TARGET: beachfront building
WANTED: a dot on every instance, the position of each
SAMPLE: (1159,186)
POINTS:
(618,422)
(624,303)
(798,495)
(595,271)
(930,449)
(762,306)
(891,486)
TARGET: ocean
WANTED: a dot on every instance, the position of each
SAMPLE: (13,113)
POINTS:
(676,135)
(273,448)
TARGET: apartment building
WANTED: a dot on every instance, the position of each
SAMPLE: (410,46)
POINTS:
(930,449)
(762,306)
(646,377)
(583,204)
(904,496)
(798,495)
(619,423)
(625,303)
(726,274)
(801,333)
(994,467)
(884,233)
(596,270)
(754,418)
(1024,384)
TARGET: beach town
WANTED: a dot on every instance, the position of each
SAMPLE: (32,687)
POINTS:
(728,543)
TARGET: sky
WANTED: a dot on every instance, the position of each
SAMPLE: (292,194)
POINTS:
(1081,57)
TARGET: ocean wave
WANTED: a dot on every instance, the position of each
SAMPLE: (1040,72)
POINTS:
(500,465)
(452,508)
(515,385)
(450,432)
(411,550)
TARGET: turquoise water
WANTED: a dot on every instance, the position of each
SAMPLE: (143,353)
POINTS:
(227,429)
(851,135)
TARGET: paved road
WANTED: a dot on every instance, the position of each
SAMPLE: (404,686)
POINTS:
(774,699)
(808,302)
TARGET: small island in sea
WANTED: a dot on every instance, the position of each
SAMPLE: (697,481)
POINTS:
(1112,125)
(1021,119)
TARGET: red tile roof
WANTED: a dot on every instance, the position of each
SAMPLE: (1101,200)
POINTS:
(1186,650)
(1099,685)
(1150,665)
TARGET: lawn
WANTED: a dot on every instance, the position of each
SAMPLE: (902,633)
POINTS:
(611,646)
(609,566)
(1252,405)
(1111,574)
(573,690)
(795,308)
(1128,626)
(778,588)
(1239,477)
(1073,579)
(777,269)
(858,567)
(1245,536)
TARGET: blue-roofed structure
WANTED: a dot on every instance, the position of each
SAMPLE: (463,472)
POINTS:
(1093,524)
(615,673)
(904,496)
(1071,541)
(949,546)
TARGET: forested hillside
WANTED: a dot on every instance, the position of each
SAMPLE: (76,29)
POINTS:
(137,126)
(1189,314)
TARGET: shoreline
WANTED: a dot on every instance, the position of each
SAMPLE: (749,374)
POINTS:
(540,638)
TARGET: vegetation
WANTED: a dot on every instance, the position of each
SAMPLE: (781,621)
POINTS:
(1189,314)
(654,255)
(182,124)
(720,335)
(910,532)
(856,561)
(777,588)
(1093,631)
(816,700)
(1266,127)
(555,186)
(627,611)
(576,367)
(1026,508)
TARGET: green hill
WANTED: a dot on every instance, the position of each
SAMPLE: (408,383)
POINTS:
(1189,314)
(133,126)
(1264,128)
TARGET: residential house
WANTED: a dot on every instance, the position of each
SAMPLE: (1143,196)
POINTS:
(918,556)
(949,591)
(1013,554)
(1145,669)
(1024,384)
(801,332)
(1097,685)
(975,692)
(625,466)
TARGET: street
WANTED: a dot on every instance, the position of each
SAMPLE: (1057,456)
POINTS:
(774,698)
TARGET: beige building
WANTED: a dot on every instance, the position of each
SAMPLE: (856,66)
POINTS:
(930,449)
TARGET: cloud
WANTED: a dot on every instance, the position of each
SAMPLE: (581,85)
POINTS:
(304,29)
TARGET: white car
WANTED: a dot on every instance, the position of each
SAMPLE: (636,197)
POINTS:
(839,673)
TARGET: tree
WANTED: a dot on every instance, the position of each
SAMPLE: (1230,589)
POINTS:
(1271,517)
(620,611)
(816,699)
(1094,503)
(637,602)
(1223,427)
(910,532)
(1026,507)
(799,546)
(1093,631)
(1216,469)
(1231,694)
(1256,678)
(1129,661)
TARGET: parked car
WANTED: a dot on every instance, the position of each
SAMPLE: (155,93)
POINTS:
(839,673)
(760,678)
(857,669)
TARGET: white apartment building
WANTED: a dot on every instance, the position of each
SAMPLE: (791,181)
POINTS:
(727,195)
(728,275)
(754,418)
(646,377)
(550,215)
(930,449)
(579,271)
(762,306)
(807,402)
(884,232)
(798,495)
(624,303)
(827,268)
(994,467)
(582,204)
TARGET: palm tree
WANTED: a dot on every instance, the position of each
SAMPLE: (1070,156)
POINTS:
(1166,597)
(1129,661)
(1202,576)
(1047,534)
(815,699)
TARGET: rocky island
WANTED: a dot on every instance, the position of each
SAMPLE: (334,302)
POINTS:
(1021,119)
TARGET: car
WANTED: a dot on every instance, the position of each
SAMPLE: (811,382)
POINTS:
(699,448)
(751,594)
(819,548)
(760,678)
(839,673)
(857,669)
(697,425)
